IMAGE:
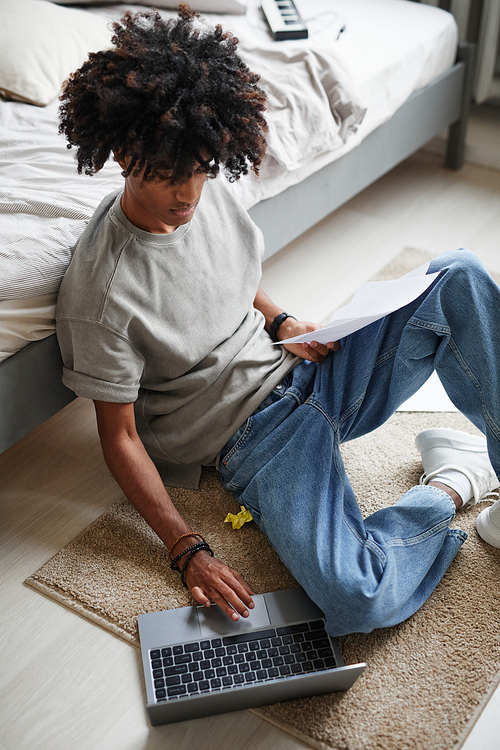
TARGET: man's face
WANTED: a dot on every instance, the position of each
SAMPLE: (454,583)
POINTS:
(158,206)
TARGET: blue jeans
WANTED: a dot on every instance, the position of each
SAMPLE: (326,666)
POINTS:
(285,466)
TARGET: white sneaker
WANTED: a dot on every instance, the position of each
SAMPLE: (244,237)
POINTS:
(488,524)
(442,449)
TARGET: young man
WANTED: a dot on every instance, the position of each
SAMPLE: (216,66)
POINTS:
(162,323)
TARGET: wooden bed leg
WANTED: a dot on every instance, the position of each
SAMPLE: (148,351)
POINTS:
(455,149)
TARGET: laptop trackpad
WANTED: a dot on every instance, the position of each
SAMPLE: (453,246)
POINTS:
(213,621)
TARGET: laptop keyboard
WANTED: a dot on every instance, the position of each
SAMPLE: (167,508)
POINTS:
(241,659)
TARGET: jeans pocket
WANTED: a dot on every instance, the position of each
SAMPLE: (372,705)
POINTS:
(241,436)
(233,445)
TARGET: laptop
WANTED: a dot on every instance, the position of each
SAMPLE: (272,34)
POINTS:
(198,662)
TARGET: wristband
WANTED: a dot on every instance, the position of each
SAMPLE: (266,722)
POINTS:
(197,548)
(279,319)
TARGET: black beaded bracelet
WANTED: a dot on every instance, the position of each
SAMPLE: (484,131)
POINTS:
(279,319)
(194,547)
(198,547)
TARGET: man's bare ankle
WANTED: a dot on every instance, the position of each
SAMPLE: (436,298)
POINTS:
(449,491)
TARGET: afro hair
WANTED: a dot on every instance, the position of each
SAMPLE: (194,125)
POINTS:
(169,94)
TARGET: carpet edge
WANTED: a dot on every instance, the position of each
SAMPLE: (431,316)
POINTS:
(291,731)
(72,605)
(477,713)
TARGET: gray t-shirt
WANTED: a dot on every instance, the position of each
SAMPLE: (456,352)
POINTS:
(167,322)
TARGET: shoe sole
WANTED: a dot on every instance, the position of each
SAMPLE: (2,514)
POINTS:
(444,437)
(486,530)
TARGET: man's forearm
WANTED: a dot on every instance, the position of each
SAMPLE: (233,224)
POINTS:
(267,307)
(139,479)
(207,578)
(269,310)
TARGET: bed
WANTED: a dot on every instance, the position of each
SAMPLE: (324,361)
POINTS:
(381,78)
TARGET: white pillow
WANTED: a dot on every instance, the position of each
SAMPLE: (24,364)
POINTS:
(203,6)
(41,44)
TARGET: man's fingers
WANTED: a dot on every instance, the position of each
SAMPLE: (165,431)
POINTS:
(233,599)
(200,597)
(225,602)
(316,352)
(233,603)
(320,348)
(245,590)
(231,611)
(333,346)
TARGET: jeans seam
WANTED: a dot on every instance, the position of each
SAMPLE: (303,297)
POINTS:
(364,542)
(290,393)
(468,372)
(248,426)
(355,406)
(387,355)
(412,541)
(445,330)
(241,440)
(311,401)
(352,409)
(458,532)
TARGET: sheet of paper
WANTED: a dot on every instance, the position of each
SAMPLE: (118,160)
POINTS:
(372,301)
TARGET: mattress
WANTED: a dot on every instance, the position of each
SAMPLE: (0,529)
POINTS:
(388,49)
(380,52)
(24,320)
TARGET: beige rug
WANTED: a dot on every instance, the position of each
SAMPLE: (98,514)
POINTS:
(427,679)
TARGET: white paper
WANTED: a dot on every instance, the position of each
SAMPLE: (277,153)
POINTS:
(372,301)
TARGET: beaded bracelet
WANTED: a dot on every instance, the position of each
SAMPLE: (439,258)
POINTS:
(198,547)
(194,547)
(183,536)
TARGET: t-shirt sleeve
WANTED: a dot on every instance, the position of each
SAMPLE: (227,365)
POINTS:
(99,363)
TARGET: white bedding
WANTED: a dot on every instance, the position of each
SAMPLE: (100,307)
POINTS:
(24,320)
(388,49)
(44,203)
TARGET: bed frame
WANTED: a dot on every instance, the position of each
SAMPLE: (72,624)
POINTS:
(31,389)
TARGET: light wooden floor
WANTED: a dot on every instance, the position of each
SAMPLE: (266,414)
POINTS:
(64,682)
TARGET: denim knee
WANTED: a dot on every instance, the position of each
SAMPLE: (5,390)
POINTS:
(357,613)
(462,263)
(396,598)
(354,603)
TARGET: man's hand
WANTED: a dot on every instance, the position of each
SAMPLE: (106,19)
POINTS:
(314,351)
(210,580)
(290,327)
